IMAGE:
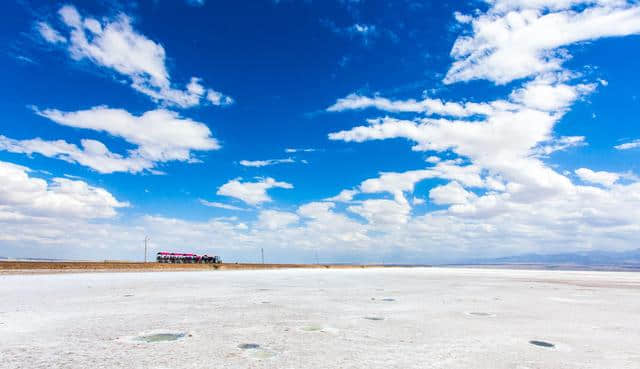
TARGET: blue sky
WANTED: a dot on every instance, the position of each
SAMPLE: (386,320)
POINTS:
(358,130)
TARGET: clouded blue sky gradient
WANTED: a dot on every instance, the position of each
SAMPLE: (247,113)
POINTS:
(409,131)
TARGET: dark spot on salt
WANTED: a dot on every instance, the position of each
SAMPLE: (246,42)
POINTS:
(128,295)
(542,343)
(248,346)
(475,313)
(388,300)
(265,302)
(373,318)
(161,337)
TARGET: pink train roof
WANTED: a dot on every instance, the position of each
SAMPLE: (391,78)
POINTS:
(175,254)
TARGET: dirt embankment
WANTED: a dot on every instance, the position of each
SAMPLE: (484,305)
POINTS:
(15,267)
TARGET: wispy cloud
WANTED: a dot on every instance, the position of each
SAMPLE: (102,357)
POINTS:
(264,163)
(115,44)
(516,39)
(220,205)
(628,145)
(291,150)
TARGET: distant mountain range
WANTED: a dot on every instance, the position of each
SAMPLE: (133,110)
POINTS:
(629,258)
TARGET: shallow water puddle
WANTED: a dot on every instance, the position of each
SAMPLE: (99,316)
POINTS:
(263,354)
(479,313)
(161,337)
(256,351)
(248,346)
(542,343)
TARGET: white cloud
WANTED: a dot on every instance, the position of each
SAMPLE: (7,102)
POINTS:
(366,32)
(159,136)
(542,94)
(25,198)
(525,200)
(514,40)
(395,183)
(290,151)
(451,193)
(546,93)
(272,219)
(115,44)
(628,145)
(218,99)
(50,34)
(264,163)
(252,193)
(504,143)
(417,201)
(607,179)
(326,228)
(382,213)
(560,144)
(428,106)
(93,154)
(343,196)
(213,204)
(363,28)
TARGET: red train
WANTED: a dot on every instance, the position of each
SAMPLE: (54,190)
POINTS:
(180,258)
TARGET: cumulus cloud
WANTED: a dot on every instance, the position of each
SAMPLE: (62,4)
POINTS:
(343,196)
(264,163)
(252,193)
(603,178)
(115,44)
(273,219)
(519,39)
(93,154)
(451,193)
(382,213)
(501,145)
(543,94)
(159,136)
(25,198)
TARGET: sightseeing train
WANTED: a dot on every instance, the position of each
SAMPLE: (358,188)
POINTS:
(180,258)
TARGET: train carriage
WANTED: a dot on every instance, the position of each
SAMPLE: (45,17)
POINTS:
(186,258)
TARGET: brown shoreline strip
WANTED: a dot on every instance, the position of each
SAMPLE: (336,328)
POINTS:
(27,267)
